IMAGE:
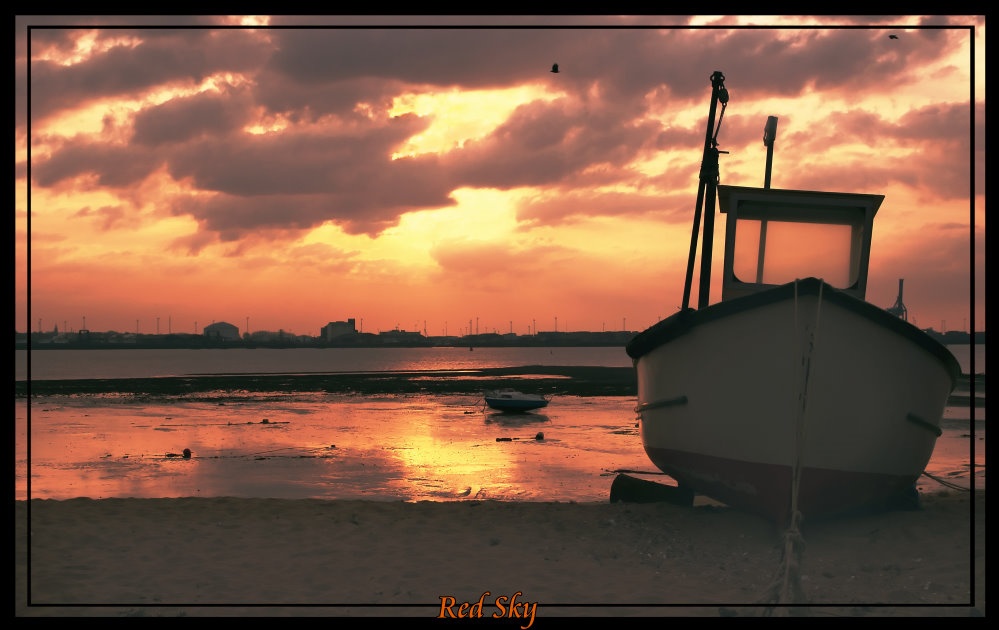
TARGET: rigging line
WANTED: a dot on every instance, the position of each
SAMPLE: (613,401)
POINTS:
(714,139)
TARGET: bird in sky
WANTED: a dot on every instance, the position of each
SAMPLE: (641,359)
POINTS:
(889,37)
(555,68)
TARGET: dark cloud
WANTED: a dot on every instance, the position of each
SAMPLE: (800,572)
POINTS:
(183,119)
(335,162)
(281,95)
(164,58)
(621,87)
(561,143)
(106,165)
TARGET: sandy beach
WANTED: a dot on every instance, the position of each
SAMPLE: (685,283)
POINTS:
(264,557)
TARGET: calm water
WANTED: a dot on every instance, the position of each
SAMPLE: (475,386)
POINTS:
(78,364)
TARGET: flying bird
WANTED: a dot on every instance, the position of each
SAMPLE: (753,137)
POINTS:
(893,37)
(555,68)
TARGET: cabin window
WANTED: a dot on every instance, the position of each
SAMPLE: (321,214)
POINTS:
(793,250)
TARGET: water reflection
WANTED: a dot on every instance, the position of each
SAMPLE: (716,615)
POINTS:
(390,447)
(516,419)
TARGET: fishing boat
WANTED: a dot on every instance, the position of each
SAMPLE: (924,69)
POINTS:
(513,400)
(791,397)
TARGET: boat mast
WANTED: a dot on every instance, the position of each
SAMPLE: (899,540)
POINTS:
(706,193)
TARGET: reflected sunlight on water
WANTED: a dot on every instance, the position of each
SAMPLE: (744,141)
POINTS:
(388,447)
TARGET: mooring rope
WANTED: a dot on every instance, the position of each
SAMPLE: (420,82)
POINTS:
(944,482)
(786,588)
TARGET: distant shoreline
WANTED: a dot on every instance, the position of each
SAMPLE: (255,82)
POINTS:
(560,380)
(92,340)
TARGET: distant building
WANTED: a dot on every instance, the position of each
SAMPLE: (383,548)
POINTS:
(401,337)
(222,330)
(338,329)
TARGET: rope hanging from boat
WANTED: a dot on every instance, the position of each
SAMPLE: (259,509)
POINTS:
(786,588)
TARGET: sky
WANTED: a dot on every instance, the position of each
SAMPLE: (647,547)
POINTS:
(431,174)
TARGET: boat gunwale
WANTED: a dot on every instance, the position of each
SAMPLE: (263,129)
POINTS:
(682,322)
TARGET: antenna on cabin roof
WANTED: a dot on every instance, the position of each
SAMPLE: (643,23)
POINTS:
(898,309)
(769,135)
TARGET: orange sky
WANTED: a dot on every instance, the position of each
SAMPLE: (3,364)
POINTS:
(434,179)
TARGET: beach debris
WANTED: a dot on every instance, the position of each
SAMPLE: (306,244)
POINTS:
(539,437)
(628,489)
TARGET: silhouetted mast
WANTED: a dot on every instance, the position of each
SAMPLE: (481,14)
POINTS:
(706,192)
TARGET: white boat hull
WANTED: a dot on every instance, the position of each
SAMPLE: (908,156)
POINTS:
(733,397)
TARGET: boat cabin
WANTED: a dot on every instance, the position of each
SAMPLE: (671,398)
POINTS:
(774,236)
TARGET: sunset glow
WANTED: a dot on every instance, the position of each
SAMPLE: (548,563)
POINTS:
(421,178)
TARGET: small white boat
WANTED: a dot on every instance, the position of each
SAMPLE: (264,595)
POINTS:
(792,396)
(513,400)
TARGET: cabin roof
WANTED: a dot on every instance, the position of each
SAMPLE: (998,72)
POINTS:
(820,206)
